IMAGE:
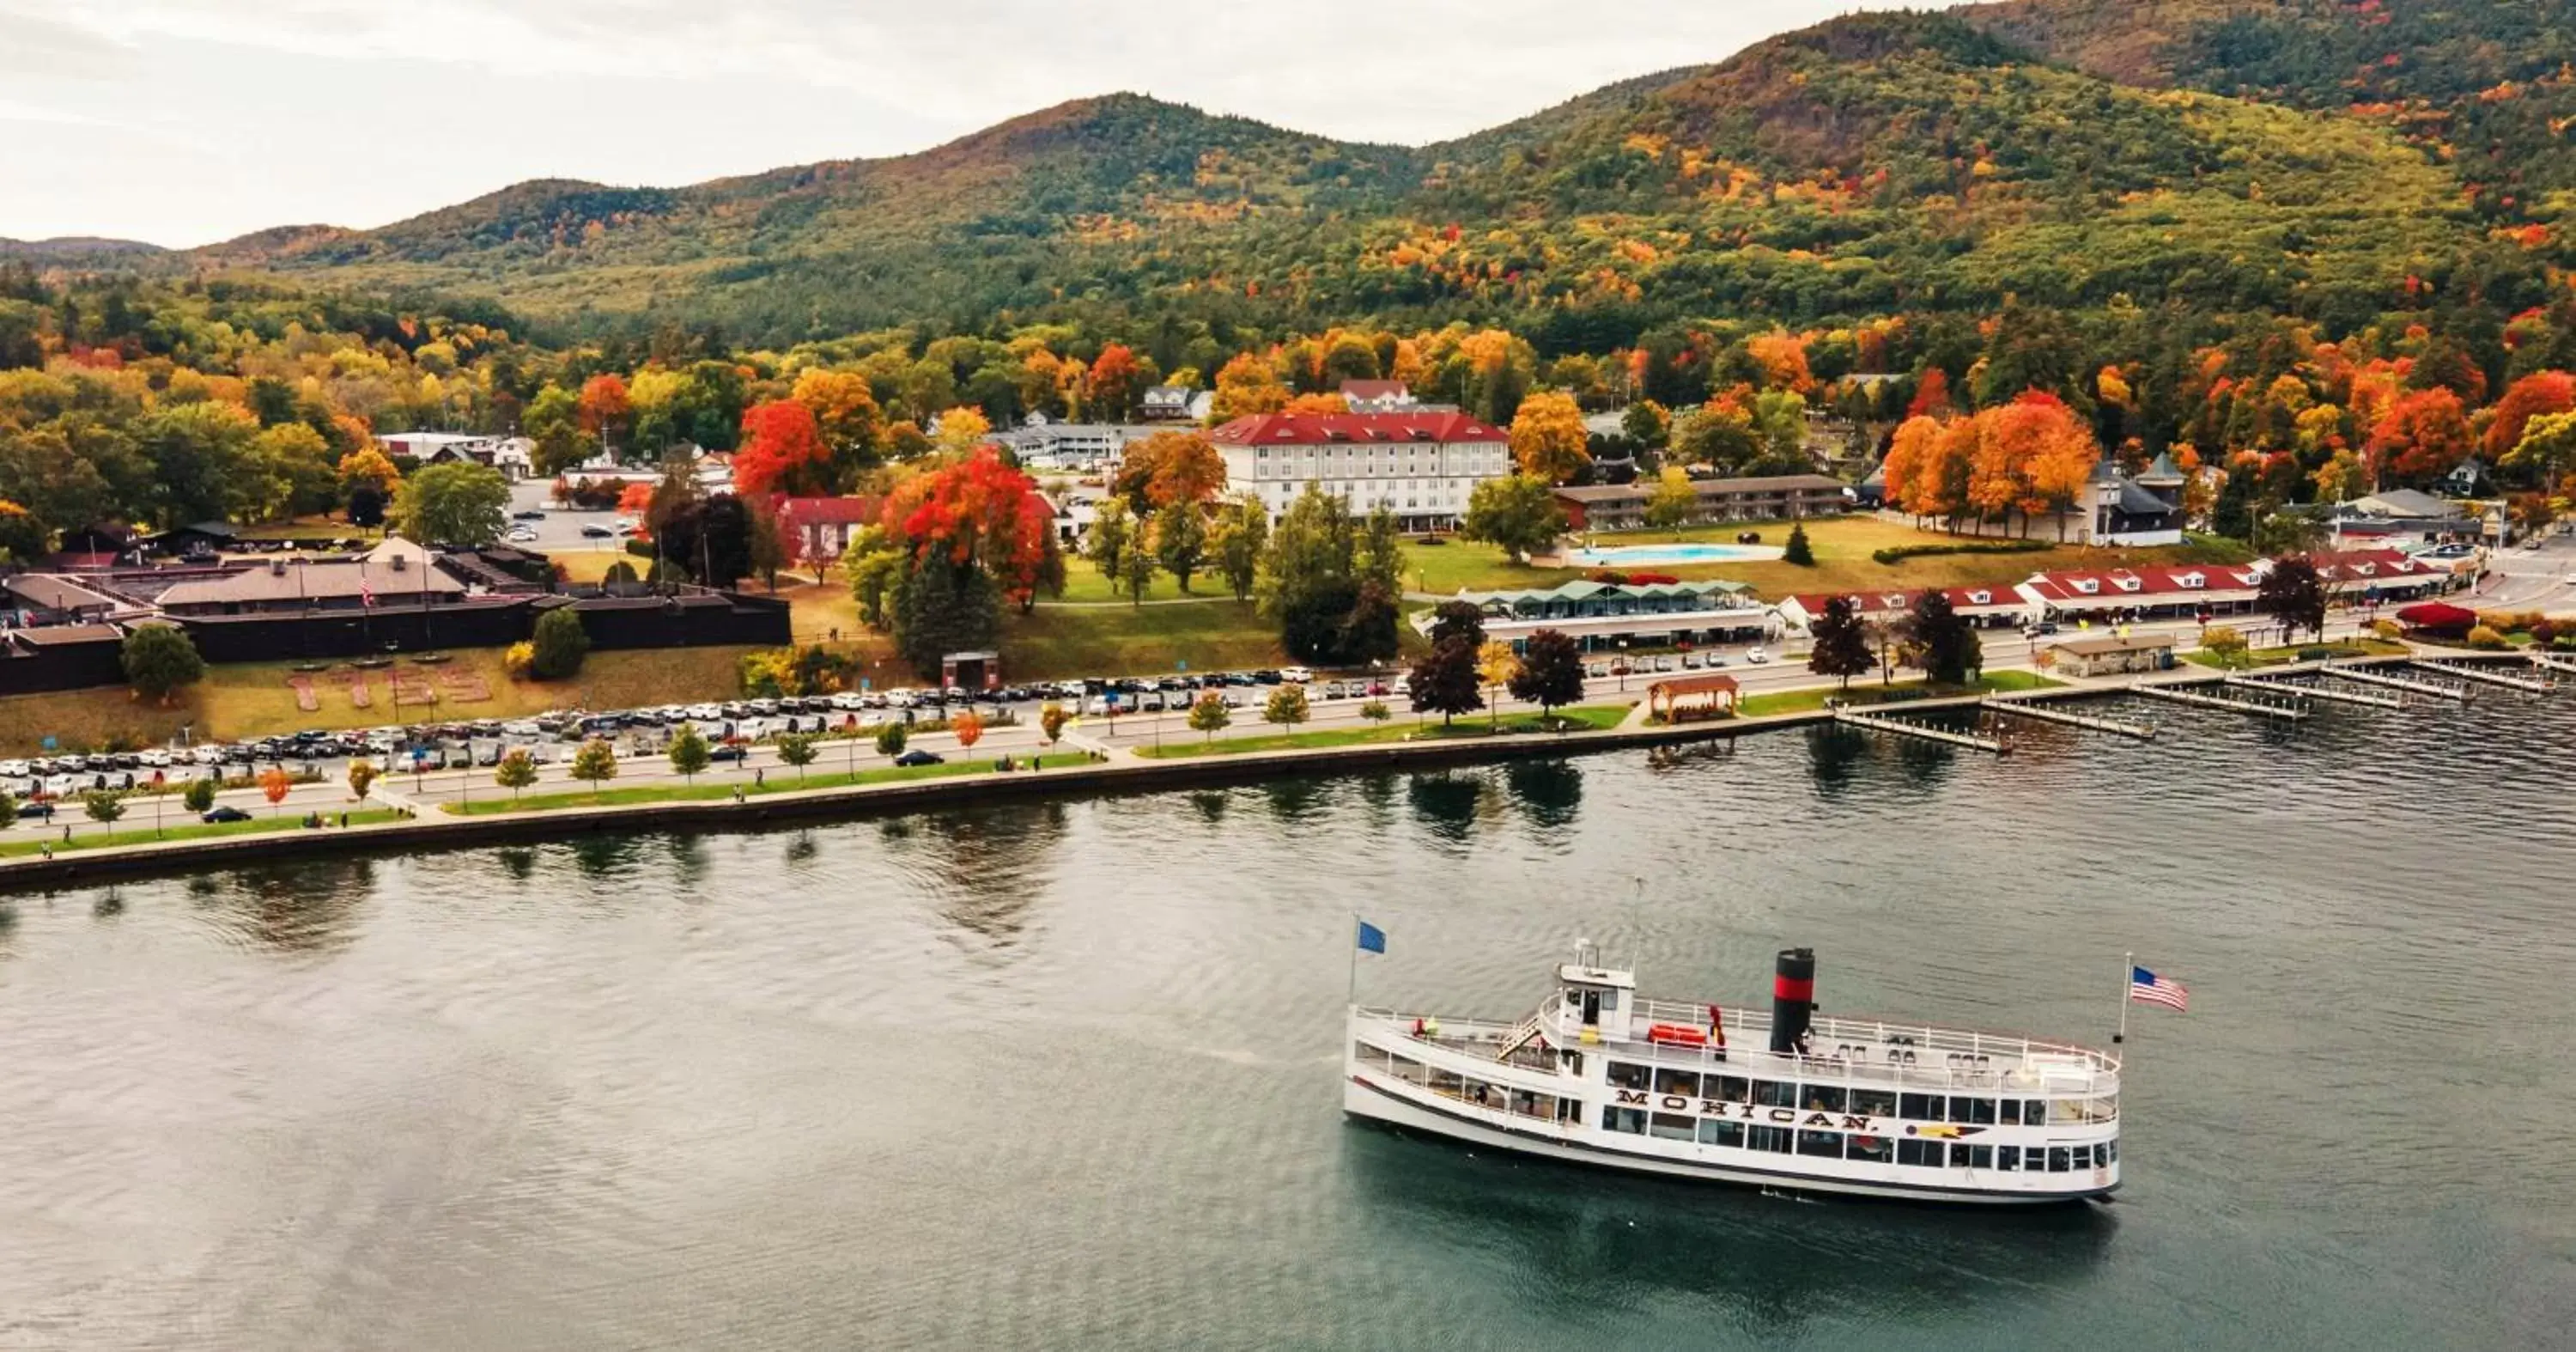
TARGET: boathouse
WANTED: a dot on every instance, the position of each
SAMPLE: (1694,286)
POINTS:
(2117,655)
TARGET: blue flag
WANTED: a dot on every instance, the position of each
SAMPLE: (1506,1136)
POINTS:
(1372,939)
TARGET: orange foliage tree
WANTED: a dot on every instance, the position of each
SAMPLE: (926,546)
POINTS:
(1548,438)
(969,728)
(1317,403)
(2540,393)
(979,513)
(604,405)
(2424,435)
(1782,357)
(274,782)
(1247,385)
(782,451)
(1117,382)
(845,414)
(1169,467)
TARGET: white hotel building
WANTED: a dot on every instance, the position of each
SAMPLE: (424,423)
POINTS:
(1420,465)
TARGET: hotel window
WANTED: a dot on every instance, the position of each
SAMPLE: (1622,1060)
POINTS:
(1718,1131)
(1629,1075)
(1668,1081)
(1629,1120)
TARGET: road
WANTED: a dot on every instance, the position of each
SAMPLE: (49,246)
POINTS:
(2542,579)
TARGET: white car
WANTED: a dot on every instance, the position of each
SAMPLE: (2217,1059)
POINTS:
(1295,675)
(521,535)
(157,760)
(1756,656)
(703,713)
(849,700)
(15,769)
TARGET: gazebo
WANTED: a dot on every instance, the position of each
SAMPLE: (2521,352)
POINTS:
(2437,617)
(1689,699)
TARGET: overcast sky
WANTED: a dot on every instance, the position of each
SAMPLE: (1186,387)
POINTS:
(185,122)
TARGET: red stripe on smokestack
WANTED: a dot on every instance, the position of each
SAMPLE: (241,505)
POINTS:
(1791,988)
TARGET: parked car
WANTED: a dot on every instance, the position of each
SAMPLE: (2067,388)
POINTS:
(912,758)
(1756,656)
(521,535)
(596,531)
(44,810)
(227,814)
(528,514)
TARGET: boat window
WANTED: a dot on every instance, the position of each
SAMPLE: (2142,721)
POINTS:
(2034,1160)
(1629,1120)
(1729,1088)
(2008,1158)
(2111,1151)
(1775,1093)
(1629,1075)
(1718,1131)
(1979,1110)
(2034,1112)
(1528,1104)
(1923,1153)
(2012,1112)
(1921,1107)
(1825,1145)
(1773,1139)
(1405,1068)
(1481,1094)
(1823,1097)
(2059,1160)
(1964,1156)
(1372,1057)
(1874,1102)
(1669,1081)
(1674,1127)
(2102,1109)
(1446,1082)
(1875,1149)
(1569,1110)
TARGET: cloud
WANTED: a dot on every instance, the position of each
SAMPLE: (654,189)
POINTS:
(444,99)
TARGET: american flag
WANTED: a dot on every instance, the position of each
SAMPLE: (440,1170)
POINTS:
(2157,990)
(366,592)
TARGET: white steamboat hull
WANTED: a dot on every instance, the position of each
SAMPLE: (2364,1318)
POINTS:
(1360,1099)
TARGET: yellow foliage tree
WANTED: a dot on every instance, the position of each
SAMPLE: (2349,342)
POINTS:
(1548,438)
(1248,385)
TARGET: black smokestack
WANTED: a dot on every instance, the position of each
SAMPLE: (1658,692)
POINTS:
(1793,998)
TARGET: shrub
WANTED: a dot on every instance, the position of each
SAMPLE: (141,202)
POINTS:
(2388,629)
(1900,553)
(518,659)
(199,795)
(2544,632)
(559,644)
(2485,638)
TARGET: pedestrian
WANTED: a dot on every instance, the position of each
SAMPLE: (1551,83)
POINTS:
(759,777)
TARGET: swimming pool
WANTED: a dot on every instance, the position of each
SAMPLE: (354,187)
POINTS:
(1628,556)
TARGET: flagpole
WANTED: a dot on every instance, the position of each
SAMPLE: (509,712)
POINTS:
(1352,996)
(2128,974)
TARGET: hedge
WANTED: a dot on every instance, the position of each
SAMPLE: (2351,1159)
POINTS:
(1903,552)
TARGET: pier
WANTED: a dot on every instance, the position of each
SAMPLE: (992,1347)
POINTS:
(2326,693)
(1902,728)
(2092,722)
(2546,662)
(2413,685)
(2472,672)
(2257,708)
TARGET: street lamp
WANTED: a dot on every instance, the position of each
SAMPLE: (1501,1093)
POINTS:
(1623,664)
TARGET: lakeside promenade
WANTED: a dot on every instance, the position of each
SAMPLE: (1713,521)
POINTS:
(1085,763)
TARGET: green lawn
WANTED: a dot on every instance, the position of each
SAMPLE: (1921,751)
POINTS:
(1870,692)
(1593,717)
(2275,657)
(1842,546)
(1057,642)
(185,828)
(785,781)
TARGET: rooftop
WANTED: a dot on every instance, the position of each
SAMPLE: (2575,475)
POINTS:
(2119,643)
(1315,429)
(1707,488)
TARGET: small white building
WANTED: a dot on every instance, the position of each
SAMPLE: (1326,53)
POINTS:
(1080,448)
(513,456)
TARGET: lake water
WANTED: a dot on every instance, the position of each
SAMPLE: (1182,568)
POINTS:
(1067,1075)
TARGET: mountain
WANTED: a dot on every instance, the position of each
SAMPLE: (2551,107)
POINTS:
(2068,154)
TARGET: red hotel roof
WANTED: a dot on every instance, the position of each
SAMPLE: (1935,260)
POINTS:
(2356,567)
(1889,600)
(1361,429)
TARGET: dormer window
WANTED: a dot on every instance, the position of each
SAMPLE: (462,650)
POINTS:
(2088,585)
(2126,584)
(2190,581)
(1981,598)
(1893,600)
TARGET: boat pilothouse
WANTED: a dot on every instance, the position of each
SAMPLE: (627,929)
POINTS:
(1780,1098)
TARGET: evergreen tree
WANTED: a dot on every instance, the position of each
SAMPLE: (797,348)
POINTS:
(1798,551)
(559,644)
(944,607)
(1842,643)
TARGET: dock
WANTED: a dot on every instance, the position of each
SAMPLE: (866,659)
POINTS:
(2546,662)
(2469,671)
(2412,685)
(2257,708)
(2092,722)
(1903,728)
(2327,693)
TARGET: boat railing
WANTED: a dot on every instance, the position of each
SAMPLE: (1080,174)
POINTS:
(1824,1034)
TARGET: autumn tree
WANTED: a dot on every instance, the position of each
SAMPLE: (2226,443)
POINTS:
(1841,644)
(1209,714)
(847,418)
(605,408)
(1169,467)
(973,535)
(274,785)
(460,503)
(553,424)
(1445,681)
(1114,532)
(1941,640)
(1674,501)
(1548,438)
(2424,435)
(516,771)
(1237,538)
(362,778)
(1550,671)
(2536,395)
(1136,568)
(1286,706)
(962,431)
(782,451)
(1781,358)
(1117,380)
(967,727)
(690,755)
(1516,513)
(1247,385)
(595,764)
(2547,448)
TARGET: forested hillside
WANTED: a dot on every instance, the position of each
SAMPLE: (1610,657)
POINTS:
(1874,164)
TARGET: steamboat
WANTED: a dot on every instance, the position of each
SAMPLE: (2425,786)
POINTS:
(1782,1099)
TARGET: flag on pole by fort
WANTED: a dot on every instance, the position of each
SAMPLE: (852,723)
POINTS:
(2157,990)
(1372,939)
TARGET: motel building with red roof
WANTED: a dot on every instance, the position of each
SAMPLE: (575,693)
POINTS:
(1420,465)
(2351,577)
(1996,607)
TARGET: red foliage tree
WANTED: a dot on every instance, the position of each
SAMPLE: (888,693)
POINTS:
(2526,399)
(782,451)
(603,405)
(1932,397)
(2424,435)
(1116,382)
(982,511)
